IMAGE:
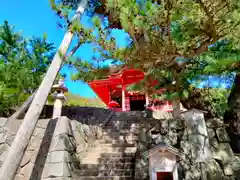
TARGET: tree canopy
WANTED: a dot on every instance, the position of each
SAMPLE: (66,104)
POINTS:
(23,62)
(167,37)
(172,41)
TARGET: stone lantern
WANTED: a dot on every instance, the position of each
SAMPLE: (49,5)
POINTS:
(112,68)
(58,91)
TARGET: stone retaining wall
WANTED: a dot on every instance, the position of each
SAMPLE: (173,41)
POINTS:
(55,148)
(85,115)
(223,164)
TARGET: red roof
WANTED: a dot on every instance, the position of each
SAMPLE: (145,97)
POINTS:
(115,82)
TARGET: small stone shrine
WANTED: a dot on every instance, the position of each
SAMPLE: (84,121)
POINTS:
(163,162)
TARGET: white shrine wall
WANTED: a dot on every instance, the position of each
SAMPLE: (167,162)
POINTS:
(162,162)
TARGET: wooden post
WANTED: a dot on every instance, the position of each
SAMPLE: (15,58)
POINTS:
(147,99)
(23,108)
(20,143)
(123,99)
(176,109)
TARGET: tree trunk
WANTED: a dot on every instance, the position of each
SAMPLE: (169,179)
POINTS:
(176,109)
(232,115)
(20,143)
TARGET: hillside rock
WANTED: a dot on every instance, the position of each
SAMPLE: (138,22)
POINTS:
(223,164)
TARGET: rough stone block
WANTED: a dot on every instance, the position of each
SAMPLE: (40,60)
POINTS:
(223,153)
(222,135)
(214,143)
(35,143)
(3,155)
(3,135)
(61,143)
(56,170)
(39,132)
(73,127)
(211,133)
(10,139)
(58,156)
(62,126)
(3,121)
(42,123)
(158,114)
(19,177)
(81,147)
(236,164)
(214,123)
(227,169)
(193,173)
(28,155)
(13,126)
(176,124)
(26,170)
(3,148)
(214,171)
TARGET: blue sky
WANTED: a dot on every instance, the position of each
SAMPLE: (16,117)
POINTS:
(36,18)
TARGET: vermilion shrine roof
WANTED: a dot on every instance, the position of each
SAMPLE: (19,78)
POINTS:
(115,82)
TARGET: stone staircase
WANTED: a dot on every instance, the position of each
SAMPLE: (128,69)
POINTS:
(113,156)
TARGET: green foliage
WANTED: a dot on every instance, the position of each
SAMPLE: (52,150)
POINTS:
(162,32)
(218,99)
(23,63)
(76,100)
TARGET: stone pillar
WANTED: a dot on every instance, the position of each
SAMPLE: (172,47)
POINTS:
(57,108)
(59,98)
(197,135)
(123,99)
(59,161)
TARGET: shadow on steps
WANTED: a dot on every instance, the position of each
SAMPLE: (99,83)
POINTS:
(43,151)
(114,156)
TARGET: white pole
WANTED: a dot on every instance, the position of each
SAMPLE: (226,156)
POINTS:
(123,99)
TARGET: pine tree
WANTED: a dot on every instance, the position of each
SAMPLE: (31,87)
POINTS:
(166,37)
(23,62)
(169,39)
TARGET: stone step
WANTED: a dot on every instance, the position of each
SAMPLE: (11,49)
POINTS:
(104,178)
(119,144)
(129,140)
(107,158)
(125,119)
(118,136)
(117,133)
(117,155)
(107,166)
(110,149)
(89,160)
(115,160)
(122,131)
(126,123)
(105,172)
(114,141)
(109,155)
(120,127)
